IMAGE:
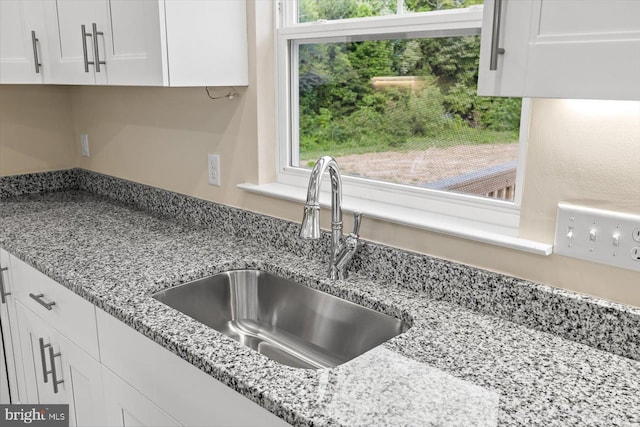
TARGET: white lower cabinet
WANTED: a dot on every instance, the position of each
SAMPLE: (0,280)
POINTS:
(5,394)
(14,379)
(179,388)
(126,407)
(58,372)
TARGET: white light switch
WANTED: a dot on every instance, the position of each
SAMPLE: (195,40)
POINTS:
(616,239)
(598,235)
(569,235)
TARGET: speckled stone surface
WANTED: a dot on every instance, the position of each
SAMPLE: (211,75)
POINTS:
(454,366)
(599,323)
(38,182)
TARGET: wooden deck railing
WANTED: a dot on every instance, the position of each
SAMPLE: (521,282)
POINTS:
(497,182)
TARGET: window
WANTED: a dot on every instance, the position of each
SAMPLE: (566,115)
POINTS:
(388,88)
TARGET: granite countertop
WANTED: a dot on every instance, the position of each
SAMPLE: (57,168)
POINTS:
(454,366)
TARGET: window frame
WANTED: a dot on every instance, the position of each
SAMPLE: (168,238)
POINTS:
(457,209)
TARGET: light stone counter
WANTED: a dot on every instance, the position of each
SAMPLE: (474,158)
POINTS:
(459,364)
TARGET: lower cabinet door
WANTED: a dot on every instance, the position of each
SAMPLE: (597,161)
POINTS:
(12,380)
(28,329)
(59,372)
(5,395)
(186,393)
(126,407)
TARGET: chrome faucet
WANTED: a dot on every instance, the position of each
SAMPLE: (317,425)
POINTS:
(342,249)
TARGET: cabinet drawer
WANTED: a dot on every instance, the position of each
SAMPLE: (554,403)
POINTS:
(69,313)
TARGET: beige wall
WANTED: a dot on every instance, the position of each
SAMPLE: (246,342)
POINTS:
(161,136)
(36,132)
(586,152)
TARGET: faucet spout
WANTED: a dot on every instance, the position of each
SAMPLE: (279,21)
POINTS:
(341,252)
(311,222)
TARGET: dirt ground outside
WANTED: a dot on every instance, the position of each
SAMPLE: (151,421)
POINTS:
(434,164)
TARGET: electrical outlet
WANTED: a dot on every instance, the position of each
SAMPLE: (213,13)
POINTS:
(598,235)
(84,143)
(214,169)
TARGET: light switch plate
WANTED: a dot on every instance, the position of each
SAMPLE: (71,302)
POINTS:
(598,235)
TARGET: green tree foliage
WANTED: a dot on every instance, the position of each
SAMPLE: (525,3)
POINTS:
(429,5)
(313,10)
(341,109)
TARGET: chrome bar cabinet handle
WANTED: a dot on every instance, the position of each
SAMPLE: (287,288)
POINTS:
(54,374)
(34,43)
(495,36)
(84,48)
(3,293)
(39,300)
(45,372)
(96,50)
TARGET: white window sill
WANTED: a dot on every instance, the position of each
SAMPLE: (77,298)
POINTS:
(443,224)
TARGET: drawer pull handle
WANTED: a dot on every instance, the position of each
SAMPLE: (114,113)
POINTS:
(54,375)
(45,372)
(3,294)
(39,300)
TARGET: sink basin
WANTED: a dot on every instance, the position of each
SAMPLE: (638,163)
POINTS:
(285,321)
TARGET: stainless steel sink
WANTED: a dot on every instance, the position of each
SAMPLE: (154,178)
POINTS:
(287,322)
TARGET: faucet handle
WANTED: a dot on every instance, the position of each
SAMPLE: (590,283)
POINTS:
(357,218)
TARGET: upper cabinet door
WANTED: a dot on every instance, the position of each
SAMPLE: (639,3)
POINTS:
(207,42)
(74,28)
(133,42)
(561,49)
(22,42)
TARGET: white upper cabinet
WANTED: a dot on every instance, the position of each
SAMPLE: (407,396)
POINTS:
(127,42)
(207,42)
(116,42)
(561,49)
(73,42)
(22,41)
(133,43)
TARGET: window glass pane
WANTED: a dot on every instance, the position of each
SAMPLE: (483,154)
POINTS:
(429,5)
(313,10)
(406,111)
